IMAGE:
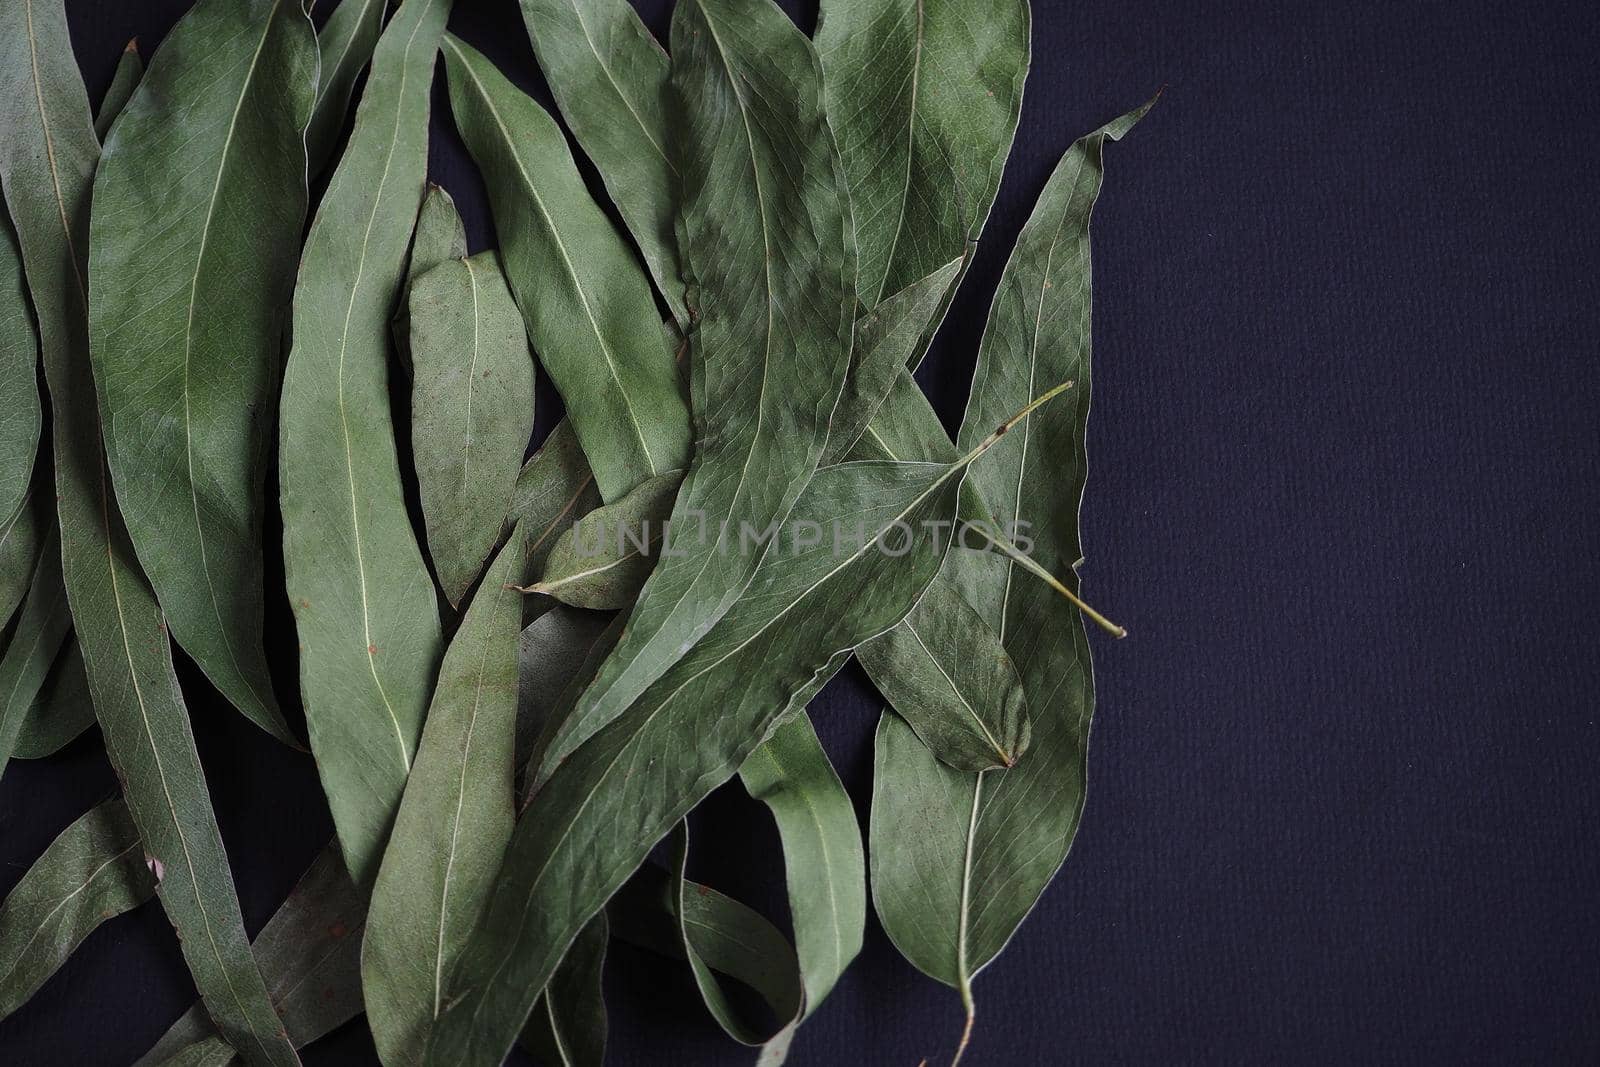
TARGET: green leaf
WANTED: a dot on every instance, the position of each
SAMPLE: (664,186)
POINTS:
(62,709)
(124,80)
(947,674)
(453,823)
(551,652)
(595,819)
(471,411)
(568,1025)
(555,721)
(93,871)
(310,956)
(20,416)
(363,601)
(198,206)
(41,627)
(46,162)
(959,859)
(924,96)
(344,46)
(609,77)
(603,560)
(553,491)
(20,542)
(765,239)
(439,237)
(588,306)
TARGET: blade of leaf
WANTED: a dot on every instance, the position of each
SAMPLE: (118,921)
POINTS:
(471,411)
(20,542)
(61,711)
(46,163)
(609,77)
(363,601)
(453,825)
(20,415)
(310,956)
(554,490)
(199,201)
(958,860)
(41,627)
(568,1025)
(95,870)
(924,96)
(551,652)
(439,236)
(587,304)
(765,240)
(344,46)
(604,807)
(947,674)
(124,80)
(604,559)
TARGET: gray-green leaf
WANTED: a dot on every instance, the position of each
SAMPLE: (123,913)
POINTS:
(601,562)
(609,77)
(363,601)
(20,416)
(554,490)
(62,709)
(453,823)
(587,304)
(471,411)
(568,1025)
(94,871)
(20,541)
(344,46)
(41,627)
(124,80)
(198,206)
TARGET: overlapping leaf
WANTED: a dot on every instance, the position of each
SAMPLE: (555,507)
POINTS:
(344,46)
(363,601)
(124,80)
(601,562)
(60,711)
(41,627)
(568,1026)
(554,490)
(20,417)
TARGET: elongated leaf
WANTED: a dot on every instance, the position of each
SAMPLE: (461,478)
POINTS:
(198,206)
(609,78)
(554,490)
(344,46)
(46,163)
(885,340)
(924,96)
(94,871)
(602,809)
(439,236)
(124,80)
(947,674)
(471,411)
(601,562)
(587,303)
(20,542)
(453,823)
(766,245)
(41,627)
(536,769)
(959,859)
(551,652)
(363,601)
(310,956)
(61,711)
(568,1025)
(20,417)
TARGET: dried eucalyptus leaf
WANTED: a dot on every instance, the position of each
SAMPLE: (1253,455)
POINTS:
(20,416)
(924,96)
(20,542)
(41,627)
(344,46)
(554,490)
(959,859)
(773,335)
(453,824)
(471,411)
(568,1025)
(439,236)
(362,597)
(94,871)
(551,652)
(199,201)
(603,560)
(588,306)
(124,80)
(61,711)
(609,77)
(119,625)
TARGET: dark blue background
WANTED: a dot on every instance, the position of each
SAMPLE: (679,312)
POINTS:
(1343,801)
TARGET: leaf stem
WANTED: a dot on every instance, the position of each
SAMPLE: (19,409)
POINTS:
(1038,570)
(1005,427)
(966,1031)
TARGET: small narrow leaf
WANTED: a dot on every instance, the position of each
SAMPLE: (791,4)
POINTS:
(20,415)
(603,560)
(198,206)
(439,236)
(94,871)
(554,490)
(124,80)
(568,1025)
(453,823)
(344,46)
(471,410)
(551,652)
(20,541)
(363,601)
(41,627)
(587,304)
(947,674)
(62,709)
(609,78)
